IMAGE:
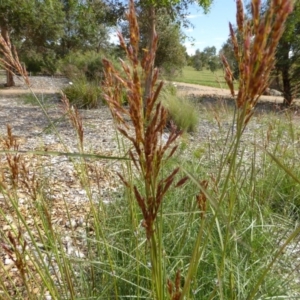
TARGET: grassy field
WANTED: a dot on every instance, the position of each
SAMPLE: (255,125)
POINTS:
(204,77)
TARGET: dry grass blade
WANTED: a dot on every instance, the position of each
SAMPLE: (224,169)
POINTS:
(75,119)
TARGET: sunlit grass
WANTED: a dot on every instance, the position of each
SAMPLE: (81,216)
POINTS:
(204,77)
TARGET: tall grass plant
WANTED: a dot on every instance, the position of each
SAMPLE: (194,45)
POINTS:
(182,227)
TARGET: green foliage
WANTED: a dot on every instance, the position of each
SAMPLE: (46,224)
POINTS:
(281,192)
(207,58)
(78,63)
(288,55)
(181,111)
(208,53)
(176,8)
(40,62)
(214,64)
(84,25)
(32,99)
(34,28)
(198,64)
(85,70)
(40,22)
(45,31)
(83,93)
(276,187)
(170,55)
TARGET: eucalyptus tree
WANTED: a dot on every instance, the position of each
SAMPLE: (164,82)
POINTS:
(171,53)
(45,30)
(197,60)
(31,24)
(85,24)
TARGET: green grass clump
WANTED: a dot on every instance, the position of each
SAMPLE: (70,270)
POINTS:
(32,99)
(182,111)
(83,93)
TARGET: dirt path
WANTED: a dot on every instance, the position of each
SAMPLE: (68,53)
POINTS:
(49,85)
(13,92)
(199,90)
(183,89)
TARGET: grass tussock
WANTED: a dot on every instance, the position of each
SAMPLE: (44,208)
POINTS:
(210,225)
(83,93)
(182,111)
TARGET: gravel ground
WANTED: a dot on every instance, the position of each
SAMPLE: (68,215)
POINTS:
(46,83)
(33,128)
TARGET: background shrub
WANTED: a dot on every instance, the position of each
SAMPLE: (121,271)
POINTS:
(85,70)
(45,63)
(81,63)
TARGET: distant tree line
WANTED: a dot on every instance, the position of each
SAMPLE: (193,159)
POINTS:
(206,59)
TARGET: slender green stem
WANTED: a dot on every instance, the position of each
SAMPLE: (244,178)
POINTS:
(194,261)
(156,266)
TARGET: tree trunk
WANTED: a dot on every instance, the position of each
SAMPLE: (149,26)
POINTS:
(284,66)
(9,79)
(287,89)
(9,75)
(148,81)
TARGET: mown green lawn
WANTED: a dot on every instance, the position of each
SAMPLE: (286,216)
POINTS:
(204,77)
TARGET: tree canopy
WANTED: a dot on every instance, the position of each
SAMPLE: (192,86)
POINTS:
(34,26)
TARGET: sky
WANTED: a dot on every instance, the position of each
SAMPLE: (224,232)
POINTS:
(210,29)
